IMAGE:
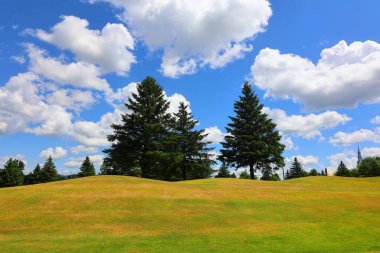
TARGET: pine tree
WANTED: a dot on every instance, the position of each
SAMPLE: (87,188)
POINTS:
(87,168)
(244,175)
(287,175)
(342,170)
(48,171)
(12,174)
(313,172)
(251,138)
(142,140)
(296,170)
(35,176)
(223,171)
(193,149)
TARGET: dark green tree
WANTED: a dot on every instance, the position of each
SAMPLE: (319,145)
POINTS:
(313,172)
(287,174)
(342,170)
(35,175)
(87,168)
(244,175)
(48,171)
(193,150)
(369,167)
(251,139)
(296,170)
(12,174)
(354,172)
(143,140)
(223,171)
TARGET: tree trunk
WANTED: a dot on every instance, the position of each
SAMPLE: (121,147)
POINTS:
(251,173)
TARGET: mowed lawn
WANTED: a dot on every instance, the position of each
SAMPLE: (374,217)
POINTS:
(125,214)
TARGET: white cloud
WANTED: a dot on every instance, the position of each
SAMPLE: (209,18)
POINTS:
(288,142)
(214,135)
(307,126)
(20,157)
(55,153)
(19,59)
(345,76)
(347,139)
(83,149)
(350,157)
(97,160)
(71,99)
(77,74)
(375,120)
(195,34)
(175,100)
(109,48)
(308,162)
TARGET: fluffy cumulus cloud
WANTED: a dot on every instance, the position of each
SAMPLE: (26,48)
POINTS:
(306,126)
(345,76)
(71,99)
(214,135)
(195,34)
(347,139)
(83,149)
(55,153)
(72,162)
(375,120)
(308,162)
(109,48)
(76,74)
(350,157)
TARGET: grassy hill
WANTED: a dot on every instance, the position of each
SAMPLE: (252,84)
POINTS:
(124,214)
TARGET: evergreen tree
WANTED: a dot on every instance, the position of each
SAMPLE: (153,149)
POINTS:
(287,175)
(266,173)
(369,167)
(296,170)
(244,175)
(313,172)
(87,168)
(326,174)
(12,174)
(192,148)
(342,170)
(48,171)
(142,139)
(233,175)
(252,139)
(322,172)
(223,171)
(35,176)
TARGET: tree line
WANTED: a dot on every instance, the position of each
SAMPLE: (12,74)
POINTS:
(12,174)
(368,167)
(151,142)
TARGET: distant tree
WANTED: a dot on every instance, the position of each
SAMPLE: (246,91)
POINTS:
(326,174)
(322,172)
(354,172)
(342,170)
(313,172)
(35,175)
(369,167)
(244,175)
(266,173)
(287,174)
(252,140)
(275,177)
(233,175)
(193,151)
(223,171)
(296,170)
(12,174)
(87,168)
(48,171)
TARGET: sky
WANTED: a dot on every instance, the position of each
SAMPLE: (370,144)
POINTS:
(68,66)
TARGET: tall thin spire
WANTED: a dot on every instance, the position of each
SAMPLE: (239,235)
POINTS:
(359,157)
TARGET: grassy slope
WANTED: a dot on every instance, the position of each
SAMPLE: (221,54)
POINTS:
(122,214)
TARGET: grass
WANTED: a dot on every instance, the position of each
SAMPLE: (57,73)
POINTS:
(124,214)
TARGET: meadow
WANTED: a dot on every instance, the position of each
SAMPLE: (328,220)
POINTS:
(125,214)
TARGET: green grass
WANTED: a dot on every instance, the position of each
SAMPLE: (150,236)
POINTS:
(123,214)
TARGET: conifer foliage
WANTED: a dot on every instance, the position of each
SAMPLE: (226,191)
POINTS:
(251,139)
(296,170)
(342,170)
(87,168)
(153,143)
(12,174)
(48,172)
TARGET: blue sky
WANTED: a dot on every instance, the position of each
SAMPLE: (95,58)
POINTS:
(65,73)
